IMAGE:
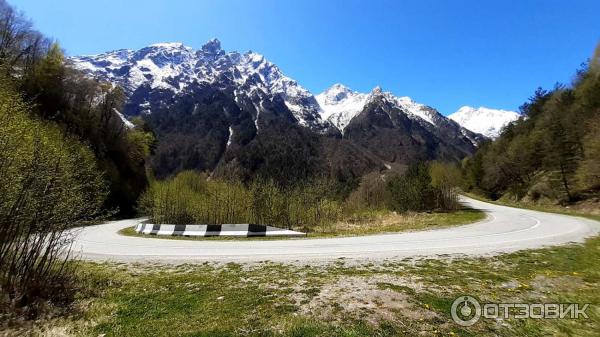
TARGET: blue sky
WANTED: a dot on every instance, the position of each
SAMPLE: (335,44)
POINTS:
(443,53)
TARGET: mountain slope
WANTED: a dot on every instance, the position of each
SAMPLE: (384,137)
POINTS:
(339,104)
(177,70)
(399,130)
(552,154)
(488,122)
(232,113)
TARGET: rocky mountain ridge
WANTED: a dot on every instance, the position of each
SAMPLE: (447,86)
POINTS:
(231,112)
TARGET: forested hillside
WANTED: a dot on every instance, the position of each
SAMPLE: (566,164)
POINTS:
(67,158)
(553,153)
(84,110)
(237,115)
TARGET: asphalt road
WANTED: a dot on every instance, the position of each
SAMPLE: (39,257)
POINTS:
(506,229)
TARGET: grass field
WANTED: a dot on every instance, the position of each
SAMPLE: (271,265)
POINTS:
(411,297)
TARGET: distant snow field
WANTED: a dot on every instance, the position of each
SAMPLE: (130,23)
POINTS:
(486,121)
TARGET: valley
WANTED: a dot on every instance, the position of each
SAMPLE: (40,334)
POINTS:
(154,188)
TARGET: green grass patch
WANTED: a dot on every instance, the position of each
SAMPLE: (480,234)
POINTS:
(271,299)
(395,287)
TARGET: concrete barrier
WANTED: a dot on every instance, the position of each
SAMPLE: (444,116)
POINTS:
(239,230)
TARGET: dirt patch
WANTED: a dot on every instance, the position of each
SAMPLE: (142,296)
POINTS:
(374,299)
(589,206)
(546,284)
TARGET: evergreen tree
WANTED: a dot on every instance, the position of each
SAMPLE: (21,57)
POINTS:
(46,83)
(412,190)
(553,153)
(561,159)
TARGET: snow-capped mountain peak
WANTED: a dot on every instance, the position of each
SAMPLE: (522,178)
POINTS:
(210,51)
(212,46)
(175,67)
(167,45)
(336,93)
(159,74)
(486,121)
(339,104)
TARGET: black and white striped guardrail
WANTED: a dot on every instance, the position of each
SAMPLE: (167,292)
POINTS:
(243,230)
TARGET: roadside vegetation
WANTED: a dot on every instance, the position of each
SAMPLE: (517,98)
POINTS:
(66,159)
(190,197)
(312,206)
(394,298)
(49,182)
(366,224)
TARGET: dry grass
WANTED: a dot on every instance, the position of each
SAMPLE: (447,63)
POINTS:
(392,222)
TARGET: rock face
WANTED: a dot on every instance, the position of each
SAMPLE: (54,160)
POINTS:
(488,122)
(160,73)
(237,114)
(339,104)
(396,129)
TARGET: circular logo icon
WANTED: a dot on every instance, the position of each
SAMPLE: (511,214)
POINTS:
(465,311)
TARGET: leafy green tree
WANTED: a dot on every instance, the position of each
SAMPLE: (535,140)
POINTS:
(21,47)
(562,159)
(411,191)
(82,108)
(588,172)
(595,61)
(445,178)
(371,194)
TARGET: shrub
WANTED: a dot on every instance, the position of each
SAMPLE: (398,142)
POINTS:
(48,183)
(190,197)
(445,177)
(412,190)
(371,194)
(424,187)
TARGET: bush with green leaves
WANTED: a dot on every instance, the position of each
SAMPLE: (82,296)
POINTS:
(424,187)
(49,183)
(371,194)
(445,178)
